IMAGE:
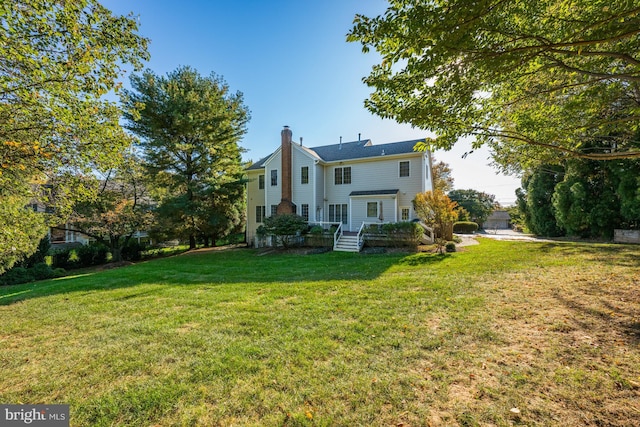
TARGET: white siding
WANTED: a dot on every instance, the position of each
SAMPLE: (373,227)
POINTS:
(302,193)
(377,174)
(320,213)
(273,194)
(255,197)
(390,210)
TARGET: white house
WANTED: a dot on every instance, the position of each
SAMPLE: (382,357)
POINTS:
(351,183)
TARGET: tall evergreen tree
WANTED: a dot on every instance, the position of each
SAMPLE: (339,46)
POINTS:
(190,127)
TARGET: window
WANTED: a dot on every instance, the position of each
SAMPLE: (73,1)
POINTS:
(274,210)
(304,179)
(346,176)
(305,211)
(274,177)
(338,213)
(342,175)
(261,182)
(404,169)
(404,214)
(260,211)
(372,209)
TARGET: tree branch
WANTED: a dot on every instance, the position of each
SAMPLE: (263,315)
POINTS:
(620,155)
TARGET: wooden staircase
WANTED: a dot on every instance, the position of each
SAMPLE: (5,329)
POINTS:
(347,242)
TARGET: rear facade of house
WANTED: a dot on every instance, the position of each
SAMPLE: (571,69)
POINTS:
(351,183)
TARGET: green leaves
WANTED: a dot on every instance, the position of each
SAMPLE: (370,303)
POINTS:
(531,79)
(190,128)
(57,60)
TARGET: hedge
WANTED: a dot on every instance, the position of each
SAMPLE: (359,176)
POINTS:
(465,227)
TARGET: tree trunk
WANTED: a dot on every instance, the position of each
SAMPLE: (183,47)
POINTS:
(206,241)
(192,241)
(116,249)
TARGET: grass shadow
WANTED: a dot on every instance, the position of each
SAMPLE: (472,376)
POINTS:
(424,259)
(222,267)
(615,254)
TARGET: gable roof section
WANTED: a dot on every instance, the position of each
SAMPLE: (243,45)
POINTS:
(259,164)
(350,151)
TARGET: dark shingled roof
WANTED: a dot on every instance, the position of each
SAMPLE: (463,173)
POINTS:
(259,164)
(362,150)
(373,192)
(353,150)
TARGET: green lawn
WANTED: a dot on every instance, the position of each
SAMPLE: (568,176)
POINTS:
(502,333)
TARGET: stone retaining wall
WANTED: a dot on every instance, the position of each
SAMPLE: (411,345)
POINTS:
(626,236)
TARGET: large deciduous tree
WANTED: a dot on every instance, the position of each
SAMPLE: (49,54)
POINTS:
(57,60)
(190,127)
(533,79)
(121,207)
(479,205)
(442,176)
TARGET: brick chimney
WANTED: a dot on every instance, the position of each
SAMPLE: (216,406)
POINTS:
(286,206)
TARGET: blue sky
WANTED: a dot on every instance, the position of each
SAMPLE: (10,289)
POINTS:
(291,61)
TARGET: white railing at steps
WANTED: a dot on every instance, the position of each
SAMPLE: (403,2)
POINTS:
(361,236)
(337,235)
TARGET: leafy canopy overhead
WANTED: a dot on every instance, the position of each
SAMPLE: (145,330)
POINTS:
(57,60)
(530,78)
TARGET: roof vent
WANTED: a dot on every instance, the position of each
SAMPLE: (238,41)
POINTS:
(340,147)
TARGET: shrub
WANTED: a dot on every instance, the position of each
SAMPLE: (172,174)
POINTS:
(286,228)
(132,251)
(450,246)
(465,227)
(395,234)
(316,230)
(16,276)
(92,254)
(42,271)
(62,258)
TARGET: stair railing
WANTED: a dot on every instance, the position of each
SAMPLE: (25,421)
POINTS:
(361,236)
(337,235)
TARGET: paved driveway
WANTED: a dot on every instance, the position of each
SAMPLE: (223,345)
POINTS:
(509,235)
(470,239)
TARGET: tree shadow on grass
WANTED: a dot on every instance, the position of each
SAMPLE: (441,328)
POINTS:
(424,259)
(232,267)
(596,314)
(616,254)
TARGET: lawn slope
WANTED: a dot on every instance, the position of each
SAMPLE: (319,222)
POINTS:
(503,333)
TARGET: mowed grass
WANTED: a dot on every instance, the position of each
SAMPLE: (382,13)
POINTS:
(503,333)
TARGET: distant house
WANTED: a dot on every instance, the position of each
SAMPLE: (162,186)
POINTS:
(498,220)
(349,183)
(61,235)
